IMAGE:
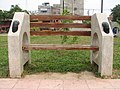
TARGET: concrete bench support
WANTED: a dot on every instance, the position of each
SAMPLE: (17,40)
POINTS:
(16,39)
(104,57)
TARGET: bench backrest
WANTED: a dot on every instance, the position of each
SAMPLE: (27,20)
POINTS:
(58,21)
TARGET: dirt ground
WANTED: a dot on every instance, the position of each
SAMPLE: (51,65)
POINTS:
(60,76)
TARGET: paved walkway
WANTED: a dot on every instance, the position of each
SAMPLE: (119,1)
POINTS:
(49,84)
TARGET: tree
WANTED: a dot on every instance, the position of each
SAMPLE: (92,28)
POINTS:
(1,14)
(9,14)
(6,15)
(13,9)
(66,38)
(116,13)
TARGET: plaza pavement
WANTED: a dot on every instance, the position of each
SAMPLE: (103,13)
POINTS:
(59,84)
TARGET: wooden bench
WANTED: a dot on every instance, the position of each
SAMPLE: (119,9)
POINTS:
(99,30)
(36,22)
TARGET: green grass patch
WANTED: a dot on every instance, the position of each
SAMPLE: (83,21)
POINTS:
(3,57)
(59,61)
(116,63)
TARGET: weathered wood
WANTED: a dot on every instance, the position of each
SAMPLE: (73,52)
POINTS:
(59,25)
(68,33)
(59,17)
(59,47)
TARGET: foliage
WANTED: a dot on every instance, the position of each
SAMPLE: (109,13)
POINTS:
(35,29)
(14,9)
(65,38)
(116,13)
(66,12)
(87,21)
(118,20)
(1,14)
(9,14)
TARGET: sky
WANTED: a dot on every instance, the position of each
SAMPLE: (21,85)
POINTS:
(93,6)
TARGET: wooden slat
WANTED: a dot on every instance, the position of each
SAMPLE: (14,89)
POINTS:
(69,33)
(59,17)
(59,25)
(59,47)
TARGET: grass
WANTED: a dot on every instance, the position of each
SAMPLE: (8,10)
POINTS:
(57,61)
(3,57)
(116,62)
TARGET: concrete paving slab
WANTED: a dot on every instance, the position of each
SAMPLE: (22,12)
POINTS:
(75,85)
(7,83)
(27,84)
(51,84)
(102,89)
(115,83)
(99,84)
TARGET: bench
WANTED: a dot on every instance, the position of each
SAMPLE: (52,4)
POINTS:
(19,46)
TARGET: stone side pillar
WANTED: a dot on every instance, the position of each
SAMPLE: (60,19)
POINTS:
(17,38)
(104,57)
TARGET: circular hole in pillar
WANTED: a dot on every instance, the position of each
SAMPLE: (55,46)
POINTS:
(95,42)
(25,41)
